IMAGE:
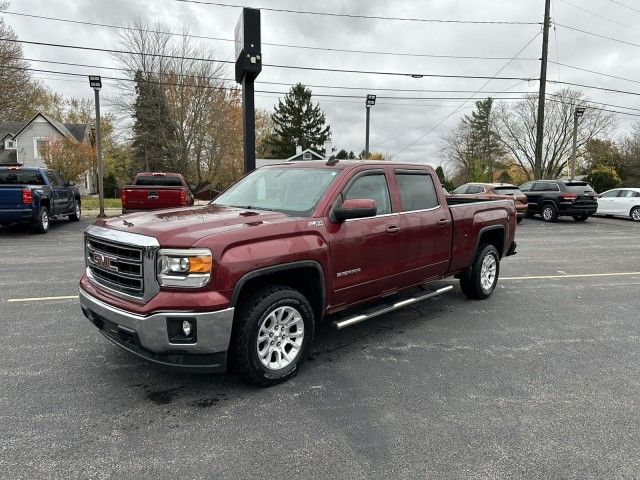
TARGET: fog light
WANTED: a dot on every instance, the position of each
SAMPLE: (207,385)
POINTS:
(186,328)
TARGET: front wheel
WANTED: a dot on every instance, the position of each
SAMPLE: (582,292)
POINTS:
(635,214)
(481,278)
(549,213)
(77,212)
(580,218)
(519,219)
(272,334)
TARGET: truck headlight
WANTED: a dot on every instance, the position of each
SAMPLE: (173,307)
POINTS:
(189,268)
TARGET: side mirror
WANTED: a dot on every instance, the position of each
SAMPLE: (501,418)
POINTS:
(355,208)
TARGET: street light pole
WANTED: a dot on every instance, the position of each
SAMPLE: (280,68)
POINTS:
(578,112)
(371,101)
(96,83)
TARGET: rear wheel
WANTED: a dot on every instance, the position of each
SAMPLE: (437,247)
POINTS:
(41,222)
(580,218)
(549,213)
(635,214)
(273,331)
(77,212)
(481,278)
(520,219)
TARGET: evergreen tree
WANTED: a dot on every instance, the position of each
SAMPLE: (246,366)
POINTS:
(154,139)
(298,122)
(344,155)
(485,147)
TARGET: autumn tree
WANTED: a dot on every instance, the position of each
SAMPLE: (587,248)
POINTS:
(298,122)
(68,157)
(517,129)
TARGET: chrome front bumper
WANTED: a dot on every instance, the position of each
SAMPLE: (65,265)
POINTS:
(147,336)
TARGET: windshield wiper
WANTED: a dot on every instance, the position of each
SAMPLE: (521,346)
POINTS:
(250,207)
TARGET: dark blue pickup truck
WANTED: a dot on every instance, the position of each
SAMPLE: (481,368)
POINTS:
(35,195)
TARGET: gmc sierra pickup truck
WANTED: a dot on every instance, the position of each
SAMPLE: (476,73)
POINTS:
(35,195)
(155,191)
(246,279)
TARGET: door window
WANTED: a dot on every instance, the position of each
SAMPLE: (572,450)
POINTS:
(418,191)
(526,187)
(371,187)
(630,194)
(610,194)
(55,179)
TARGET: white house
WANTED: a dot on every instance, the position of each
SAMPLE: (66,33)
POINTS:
(301,155)
(24,142)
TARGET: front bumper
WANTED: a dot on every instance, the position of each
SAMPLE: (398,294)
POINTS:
(148,337)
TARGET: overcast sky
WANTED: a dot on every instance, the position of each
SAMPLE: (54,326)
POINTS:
(395,124)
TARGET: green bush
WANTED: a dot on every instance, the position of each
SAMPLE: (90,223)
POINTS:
(604,178)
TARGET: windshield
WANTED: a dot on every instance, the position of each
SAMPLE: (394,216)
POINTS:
(460,190)
(21,177)
(292,191)
(508,191)
(579,187)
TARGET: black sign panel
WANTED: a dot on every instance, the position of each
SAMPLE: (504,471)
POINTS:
(248,47)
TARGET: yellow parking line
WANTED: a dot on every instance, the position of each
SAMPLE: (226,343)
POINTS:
(42,299)
(542,277)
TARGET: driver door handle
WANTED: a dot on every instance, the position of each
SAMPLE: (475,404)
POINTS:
(444,221)
(393,229)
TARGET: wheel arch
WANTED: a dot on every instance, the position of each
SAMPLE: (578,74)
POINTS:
(306,276)
(495,235)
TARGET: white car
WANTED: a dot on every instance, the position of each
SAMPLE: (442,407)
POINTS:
(620,202)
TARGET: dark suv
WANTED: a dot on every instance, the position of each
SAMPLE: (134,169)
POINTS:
(554,198)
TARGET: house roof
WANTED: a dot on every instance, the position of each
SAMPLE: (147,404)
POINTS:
(77,131)
(301,154)
(10,128)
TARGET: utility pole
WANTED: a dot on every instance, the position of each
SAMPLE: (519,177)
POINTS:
(370,102)
(542,92)
(96,83)
(578,112)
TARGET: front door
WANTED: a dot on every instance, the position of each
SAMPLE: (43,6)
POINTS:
(365,252)
(59,194)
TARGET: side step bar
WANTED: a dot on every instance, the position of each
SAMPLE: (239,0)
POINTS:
(347,322)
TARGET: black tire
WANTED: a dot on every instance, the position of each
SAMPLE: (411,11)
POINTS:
(471,282)
(549,212)
(580,218)
(252,312)
(635,214)
(77,212)
(519,220)
(42,221)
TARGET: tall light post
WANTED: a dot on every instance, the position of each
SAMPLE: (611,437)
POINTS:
(96,83)
(370,102)
(578,112)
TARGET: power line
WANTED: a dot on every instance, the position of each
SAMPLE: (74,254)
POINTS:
(369,17)
(595,72)
(338,87)
(595,14)
(598,35)
(582,85)
(626,6)
(442,120)
(295,67)
(284,45)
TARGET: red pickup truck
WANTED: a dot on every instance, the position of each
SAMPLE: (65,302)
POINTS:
(246,279)
(153,191)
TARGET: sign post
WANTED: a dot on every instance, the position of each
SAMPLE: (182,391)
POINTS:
(96,83)
(371,101)
(248,67)
(579,111)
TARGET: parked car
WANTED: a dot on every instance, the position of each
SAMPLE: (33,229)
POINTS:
(620,202)
(504,191)
(35,195)
(246,279)
(554,198)
(153,191)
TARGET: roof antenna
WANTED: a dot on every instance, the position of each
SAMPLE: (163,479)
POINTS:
(332,161)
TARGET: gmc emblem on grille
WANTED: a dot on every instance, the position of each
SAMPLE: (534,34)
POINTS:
(105,261)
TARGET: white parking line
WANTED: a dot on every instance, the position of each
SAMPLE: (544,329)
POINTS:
(42,299)
(581,275)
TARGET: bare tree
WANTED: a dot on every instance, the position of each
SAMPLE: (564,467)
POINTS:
(517,128)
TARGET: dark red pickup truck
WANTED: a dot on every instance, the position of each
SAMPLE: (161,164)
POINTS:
(154,191)
(245,280)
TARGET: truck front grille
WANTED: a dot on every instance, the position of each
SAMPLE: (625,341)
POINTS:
(116,266)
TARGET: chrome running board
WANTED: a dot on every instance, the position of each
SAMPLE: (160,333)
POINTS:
(347,322)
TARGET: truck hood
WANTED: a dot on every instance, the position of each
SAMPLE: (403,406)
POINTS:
(182,227)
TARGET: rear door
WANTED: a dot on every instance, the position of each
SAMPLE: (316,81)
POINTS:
(426,238)
(627,200)
(59,193)
(606,202)
(366,252)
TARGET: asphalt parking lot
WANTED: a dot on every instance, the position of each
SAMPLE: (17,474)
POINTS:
(539,381)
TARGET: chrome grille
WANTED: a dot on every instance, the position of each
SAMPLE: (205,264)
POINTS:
(117,266)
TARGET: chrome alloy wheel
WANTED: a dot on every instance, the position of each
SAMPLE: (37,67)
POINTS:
(44,217)
(78,212)
(280,337)
(635,214)
(547,213)
(488,272)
